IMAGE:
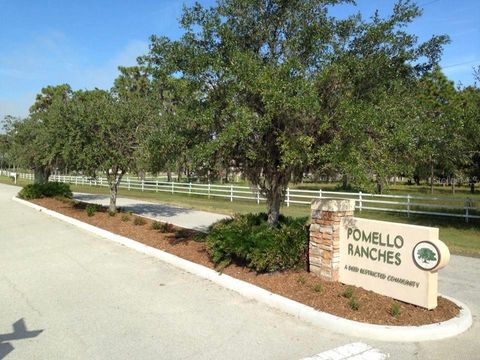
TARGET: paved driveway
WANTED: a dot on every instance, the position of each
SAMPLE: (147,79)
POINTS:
(93,299)
(183,217)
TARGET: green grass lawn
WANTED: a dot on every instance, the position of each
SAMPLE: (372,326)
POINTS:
(460,237)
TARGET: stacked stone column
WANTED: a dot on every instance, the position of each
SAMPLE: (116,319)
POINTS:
(324,244)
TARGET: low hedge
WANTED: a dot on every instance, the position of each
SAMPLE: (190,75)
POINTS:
(250,241)
(49,189)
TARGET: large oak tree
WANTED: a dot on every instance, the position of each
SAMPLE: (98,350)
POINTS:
(272,84)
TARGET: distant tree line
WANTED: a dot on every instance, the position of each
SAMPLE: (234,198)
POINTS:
(273,89)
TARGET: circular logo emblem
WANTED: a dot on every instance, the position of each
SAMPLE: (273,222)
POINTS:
(426,255)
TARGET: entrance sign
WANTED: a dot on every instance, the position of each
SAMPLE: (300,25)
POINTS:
(392,259)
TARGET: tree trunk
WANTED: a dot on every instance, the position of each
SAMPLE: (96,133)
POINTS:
(226,175)
(345,182)
(431,177)
(379,187)
(41,174)
(113,197)
(472,186)
(274,200)
(452,180)
(113,182)
(169,176)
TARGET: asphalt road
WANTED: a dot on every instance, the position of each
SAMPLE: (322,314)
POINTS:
(67,294)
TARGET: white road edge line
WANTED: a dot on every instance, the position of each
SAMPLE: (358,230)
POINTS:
(303,312)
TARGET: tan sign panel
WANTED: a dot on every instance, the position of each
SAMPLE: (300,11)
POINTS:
(392,259)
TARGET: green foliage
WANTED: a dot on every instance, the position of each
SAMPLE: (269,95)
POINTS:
(301,280)
(156,225)
(182,233)
(395,309)
(50,189)
(286,86)
(125,218)
(111,212)
(348,292)
(317,287)
(91,209)
(39,141)
(353,303)
(32,191)
(139,221)
(248,239)
(163,227)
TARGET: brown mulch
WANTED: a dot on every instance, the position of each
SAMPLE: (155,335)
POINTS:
(298,285)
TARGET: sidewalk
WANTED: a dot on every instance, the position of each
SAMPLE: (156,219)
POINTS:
(183,217)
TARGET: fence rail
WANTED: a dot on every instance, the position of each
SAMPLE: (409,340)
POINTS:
(456,207)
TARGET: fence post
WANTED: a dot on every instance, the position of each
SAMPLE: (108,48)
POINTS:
(189,188)
(231,193)
(258,194)
(320,193)
(76,180)
(101,181)
(173,187)
(360,200)
(408,205)
(467,206)
(156,185)
(143,184)
(128,183)
(209,189)
(288,196)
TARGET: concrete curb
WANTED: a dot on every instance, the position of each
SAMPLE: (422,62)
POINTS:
(327,321)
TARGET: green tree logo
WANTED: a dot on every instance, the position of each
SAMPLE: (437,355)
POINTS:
(426,255)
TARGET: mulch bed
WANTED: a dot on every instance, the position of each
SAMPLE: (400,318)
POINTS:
(298,285)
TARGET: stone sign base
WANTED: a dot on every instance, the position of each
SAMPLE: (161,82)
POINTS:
(324,245)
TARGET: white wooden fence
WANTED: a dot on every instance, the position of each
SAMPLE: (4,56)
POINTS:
(425,205)
(457,207)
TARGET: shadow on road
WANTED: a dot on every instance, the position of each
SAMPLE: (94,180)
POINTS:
(19,332)
(138,208)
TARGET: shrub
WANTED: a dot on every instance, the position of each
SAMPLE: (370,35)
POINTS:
(162,227)
(182,233)
(353,303)
(156,225)
(139,221)
(32,191)
(111,213)
(125,218)
(301,280)
(91,209)
(395,309)
(348,292)
(248,239)
(166,228)
(317,287)
(49,189)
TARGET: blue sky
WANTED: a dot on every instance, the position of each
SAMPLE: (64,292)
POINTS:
(81,42)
